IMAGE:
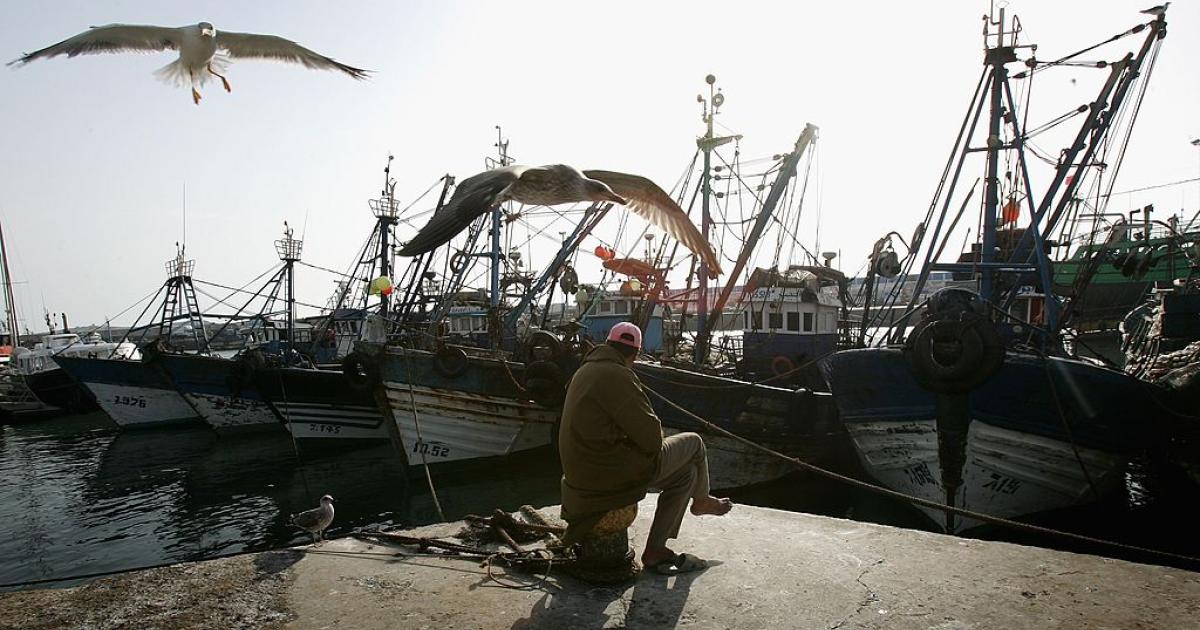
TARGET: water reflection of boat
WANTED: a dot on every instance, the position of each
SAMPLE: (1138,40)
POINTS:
(146,461)
(979,406)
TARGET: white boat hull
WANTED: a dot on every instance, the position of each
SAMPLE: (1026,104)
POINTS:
(332,421)
(139,406)
(1007,473)
(453,425)
(225,414)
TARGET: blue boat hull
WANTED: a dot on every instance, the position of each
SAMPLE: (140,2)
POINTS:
(220,392)
(134,394)
(1042,434)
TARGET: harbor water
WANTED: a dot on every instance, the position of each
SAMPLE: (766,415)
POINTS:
(82,498)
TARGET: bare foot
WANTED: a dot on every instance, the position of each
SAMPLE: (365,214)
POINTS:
(711,505)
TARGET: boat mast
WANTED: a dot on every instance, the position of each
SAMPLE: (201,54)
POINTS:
(386,213)
(996,58)
(786,171)
(710,107)
(10,312)
(288,249)
(495,254)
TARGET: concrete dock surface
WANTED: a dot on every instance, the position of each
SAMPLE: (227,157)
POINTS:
(768,569)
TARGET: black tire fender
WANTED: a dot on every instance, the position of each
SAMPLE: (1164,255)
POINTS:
(450,362)
(360,372)
(545,383)
(952,356)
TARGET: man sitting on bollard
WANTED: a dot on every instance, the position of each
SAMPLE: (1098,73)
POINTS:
(612,450)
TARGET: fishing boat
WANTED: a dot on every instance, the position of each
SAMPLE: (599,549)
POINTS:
(978,405)
(134,391)
(222,389)
(456,402)
(1160,340)
(317,405)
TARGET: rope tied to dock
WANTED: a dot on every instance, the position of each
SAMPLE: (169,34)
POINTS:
(979,516)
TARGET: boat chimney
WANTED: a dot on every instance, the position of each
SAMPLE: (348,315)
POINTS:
(66,328)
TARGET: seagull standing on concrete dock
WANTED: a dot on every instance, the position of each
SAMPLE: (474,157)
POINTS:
(197,45)
(552,185)
(315,521)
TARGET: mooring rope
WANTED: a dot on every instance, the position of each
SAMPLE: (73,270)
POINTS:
(986,518)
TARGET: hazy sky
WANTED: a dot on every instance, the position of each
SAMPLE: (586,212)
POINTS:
(96,152)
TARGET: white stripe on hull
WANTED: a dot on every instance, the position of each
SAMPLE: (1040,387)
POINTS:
(456,425)
(130,405)
(1007,473)
(320,421)
(223,413)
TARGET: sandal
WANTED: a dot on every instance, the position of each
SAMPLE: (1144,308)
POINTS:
(681,563)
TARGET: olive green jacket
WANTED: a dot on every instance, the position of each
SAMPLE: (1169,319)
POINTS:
(609,441)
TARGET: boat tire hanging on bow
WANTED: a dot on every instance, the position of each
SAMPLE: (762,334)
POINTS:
(954,354)
(545,383)
(360,372)
(450,362)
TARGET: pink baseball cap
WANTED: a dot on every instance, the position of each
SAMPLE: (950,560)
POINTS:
(626,333)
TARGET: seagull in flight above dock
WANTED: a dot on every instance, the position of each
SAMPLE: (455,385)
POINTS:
(198,47)
(552,185)
(1159,10)
(315,521)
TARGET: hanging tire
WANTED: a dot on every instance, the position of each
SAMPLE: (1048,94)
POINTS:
(450,362)
(951,356)
(546,384)
(360,372)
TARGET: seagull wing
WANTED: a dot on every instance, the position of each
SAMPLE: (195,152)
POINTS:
(111,38)
(250,45)
(308,519)
(657,207)
(473,197)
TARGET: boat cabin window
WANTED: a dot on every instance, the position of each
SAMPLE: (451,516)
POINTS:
(621,307)
(606,307)
(808,322)
(775,321)
(746,319)
(793,321)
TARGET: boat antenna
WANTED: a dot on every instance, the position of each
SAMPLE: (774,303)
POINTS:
(496,255)
(185,215)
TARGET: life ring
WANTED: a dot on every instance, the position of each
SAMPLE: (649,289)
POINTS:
(781,365)
(545,383)
(952,356)
(450,362)
(361,373)
(459,261)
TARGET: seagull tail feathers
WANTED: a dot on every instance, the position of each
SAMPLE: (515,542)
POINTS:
(176,74)
(173,74)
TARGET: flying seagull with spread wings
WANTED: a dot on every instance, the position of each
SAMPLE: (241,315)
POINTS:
(198,47)
(552,185)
